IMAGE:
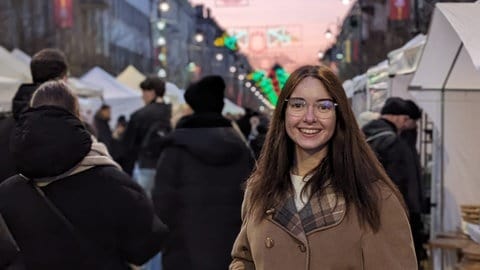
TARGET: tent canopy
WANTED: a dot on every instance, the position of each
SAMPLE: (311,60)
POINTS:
(403,62)
(13,68)
(232,108)
(132,77)
(83,89)
(8,88)
(447,86)
(122,99)
(405,59)
(21,55)
(453,44)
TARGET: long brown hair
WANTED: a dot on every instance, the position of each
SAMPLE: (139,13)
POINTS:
(350,165)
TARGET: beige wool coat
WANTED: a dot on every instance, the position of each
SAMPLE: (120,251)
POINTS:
(322,236)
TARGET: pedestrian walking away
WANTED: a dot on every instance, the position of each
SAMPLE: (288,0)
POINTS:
(71,206)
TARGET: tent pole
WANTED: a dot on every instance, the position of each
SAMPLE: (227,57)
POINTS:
(442,132)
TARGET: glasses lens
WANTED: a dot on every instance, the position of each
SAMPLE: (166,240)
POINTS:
(323,108)
(325,105)
(296,105)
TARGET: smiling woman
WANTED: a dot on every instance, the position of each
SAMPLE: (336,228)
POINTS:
(318,190)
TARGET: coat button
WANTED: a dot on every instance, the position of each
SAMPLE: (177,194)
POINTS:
(302,248)
(269,243)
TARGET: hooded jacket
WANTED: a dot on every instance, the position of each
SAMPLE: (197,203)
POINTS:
(397,159)
(198,191)
(19,104)
(53,150)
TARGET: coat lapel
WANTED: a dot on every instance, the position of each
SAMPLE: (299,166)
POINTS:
(321,212)
(288,217)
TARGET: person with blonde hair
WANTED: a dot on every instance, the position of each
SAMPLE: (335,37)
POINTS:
(71,206)
(319,198)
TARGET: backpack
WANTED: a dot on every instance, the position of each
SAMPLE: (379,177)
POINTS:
(155,140)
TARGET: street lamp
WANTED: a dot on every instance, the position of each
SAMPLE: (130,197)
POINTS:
(233,69)
(219,57)
(161,41)
(164,6)
(328,34)
(162,73)
(161,25)
(199,37)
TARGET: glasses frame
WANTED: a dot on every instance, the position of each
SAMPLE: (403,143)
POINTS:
(335,105)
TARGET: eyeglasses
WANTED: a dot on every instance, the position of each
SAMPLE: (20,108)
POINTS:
(323,108)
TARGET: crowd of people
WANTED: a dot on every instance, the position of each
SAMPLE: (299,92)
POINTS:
(297,190)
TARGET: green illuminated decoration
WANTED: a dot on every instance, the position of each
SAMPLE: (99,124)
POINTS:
(229,42)
(265,84)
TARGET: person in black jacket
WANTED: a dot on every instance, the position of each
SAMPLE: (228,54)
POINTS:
(46,64)
(102,128)
(140,123)
(112,221)
(398,157)
(198,182)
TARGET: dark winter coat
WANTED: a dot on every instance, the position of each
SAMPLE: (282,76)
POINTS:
(198,192)
(137,128)
(109,212)
(396,157)
(19,104)
(103,131)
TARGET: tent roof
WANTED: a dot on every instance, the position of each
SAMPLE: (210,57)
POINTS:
(21,55)
(8,88)
(84,89)
(131,77)
(232,108)
(348,87)
(452,50)
(11,67)
(405,59)
(110,86)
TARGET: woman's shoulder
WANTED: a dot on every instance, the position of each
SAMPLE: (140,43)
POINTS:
(383,190)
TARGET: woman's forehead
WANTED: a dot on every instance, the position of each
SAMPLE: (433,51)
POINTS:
(310,87)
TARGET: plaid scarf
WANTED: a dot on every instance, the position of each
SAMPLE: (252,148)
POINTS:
(323,211)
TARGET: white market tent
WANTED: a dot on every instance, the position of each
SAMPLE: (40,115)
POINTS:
(8,88)
(377,86)
(132,78)
(402,64)
(122,99)
(83,89)
(359,94)
(21,55)
(348,88)
(232,108)
(446,85)
(13,68)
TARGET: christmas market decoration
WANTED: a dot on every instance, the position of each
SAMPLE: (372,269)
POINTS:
(229,42)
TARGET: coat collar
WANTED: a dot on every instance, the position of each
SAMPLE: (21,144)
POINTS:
(323,211)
